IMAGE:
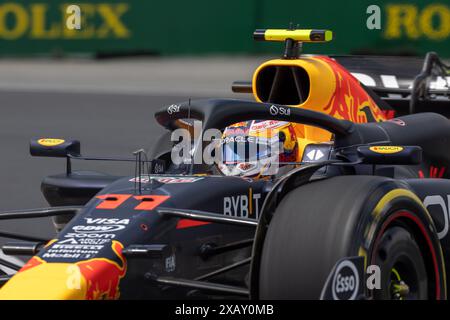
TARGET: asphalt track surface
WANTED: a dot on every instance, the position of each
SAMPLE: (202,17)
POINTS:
(107,105)
(106,124)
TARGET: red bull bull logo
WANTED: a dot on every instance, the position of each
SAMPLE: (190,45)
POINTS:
(103,275)
(96,278)
(349,101)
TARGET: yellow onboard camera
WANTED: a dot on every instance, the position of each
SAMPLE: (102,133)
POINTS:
(293,38)
(303,35)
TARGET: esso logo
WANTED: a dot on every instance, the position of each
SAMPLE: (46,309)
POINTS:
(345,284)
(345,281)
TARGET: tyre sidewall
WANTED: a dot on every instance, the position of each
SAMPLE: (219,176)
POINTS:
(350,221)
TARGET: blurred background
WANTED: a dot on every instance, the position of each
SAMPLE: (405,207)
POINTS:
(101,84)
(204,27)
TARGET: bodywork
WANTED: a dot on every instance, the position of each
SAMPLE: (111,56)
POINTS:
(171,234)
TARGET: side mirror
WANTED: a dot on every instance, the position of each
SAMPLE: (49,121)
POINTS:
(50,147)
(406,155)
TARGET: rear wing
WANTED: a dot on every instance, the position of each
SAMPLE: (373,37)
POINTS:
(408,84)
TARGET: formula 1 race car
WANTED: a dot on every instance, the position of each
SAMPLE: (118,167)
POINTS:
(360,212)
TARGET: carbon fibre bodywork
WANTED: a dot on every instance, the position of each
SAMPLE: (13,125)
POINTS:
(163,213)
(188,232)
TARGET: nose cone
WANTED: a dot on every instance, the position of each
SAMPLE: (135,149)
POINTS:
(91,279)
(49,281)
(46,281)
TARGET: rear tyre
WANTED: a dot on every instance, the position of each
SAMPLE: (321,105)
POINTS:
(320,223)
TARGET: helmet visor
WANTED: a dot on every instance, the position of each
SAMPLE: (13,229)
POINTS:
(248,149)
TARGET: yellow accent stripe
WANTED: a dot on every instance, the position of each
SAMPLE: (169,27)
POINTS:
(50,243)
(298,35)
(362,252)
(250,194)
(397,275)
(394,194)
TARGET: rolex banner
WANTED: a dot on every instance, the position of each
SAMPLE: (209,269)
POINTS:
(44,27)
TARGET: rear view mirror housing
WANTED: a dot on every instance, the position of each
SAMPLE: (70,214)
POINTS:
(70,149)
(403,155)
(51,147)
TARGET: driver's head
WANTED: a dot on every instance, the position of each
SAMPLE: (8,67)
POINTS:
(258,148)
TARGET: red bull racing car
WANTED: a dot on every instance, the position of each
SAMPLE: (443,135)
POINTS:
(346,196)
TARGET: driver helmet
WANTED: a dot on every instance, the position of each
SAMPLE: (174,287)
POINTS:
(258,148)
